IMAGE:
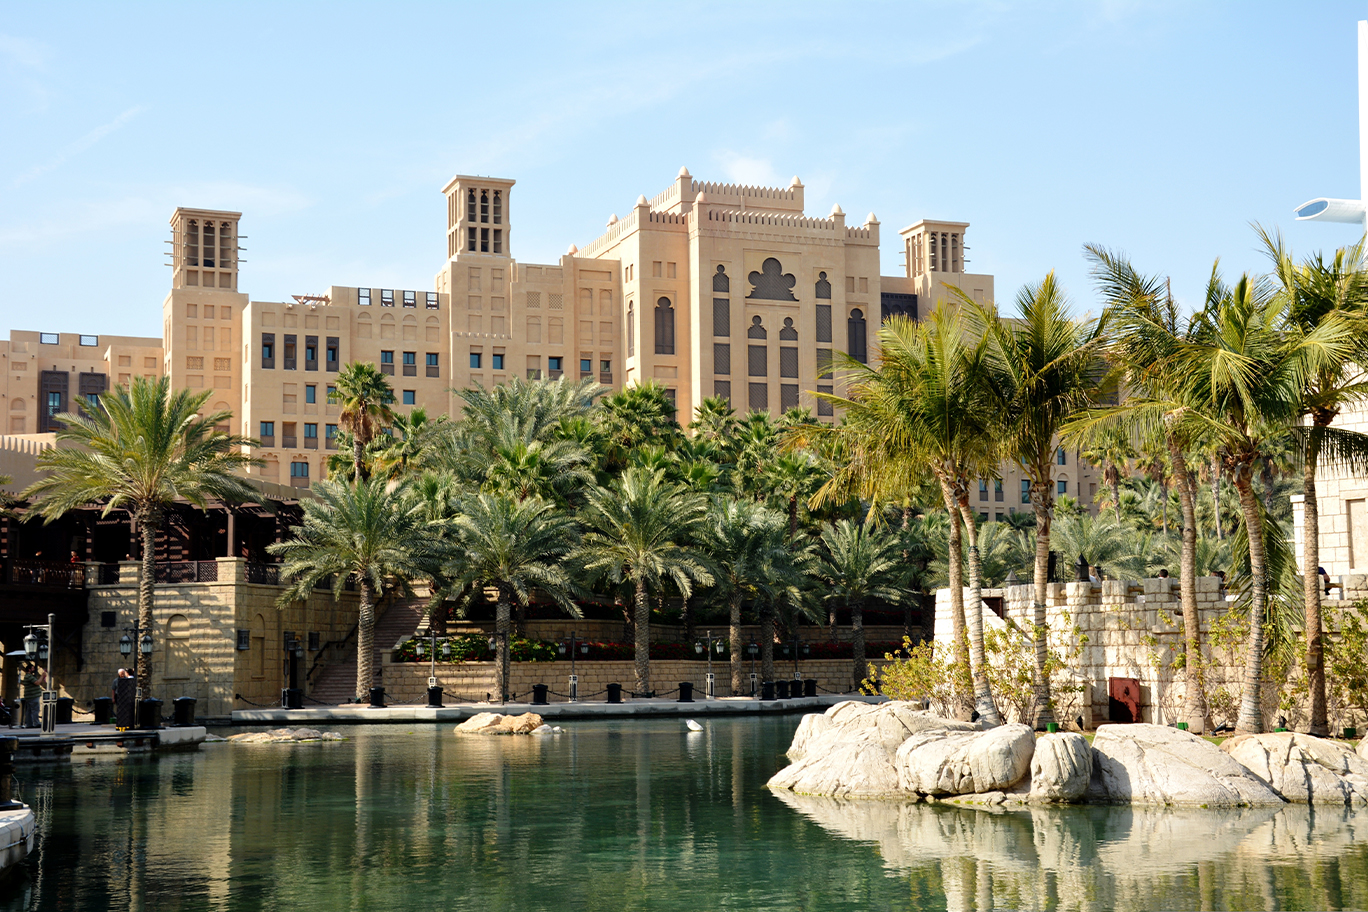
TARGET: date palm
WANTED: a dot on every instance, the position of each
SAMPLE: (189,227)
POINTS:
(858,563)
(748,552)
(365,397)
(514,546)
(1315,291)
(365,531)
(637,534)
(1043,368)
(143,448)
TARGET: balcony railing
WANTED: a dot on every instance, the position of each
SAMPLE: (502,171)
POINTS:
(410,370)
(310,443)
(555,374)
(267,440)
(263,574)
(47,573)
(289,442)
(387,369)
(187,572)
(434,371)
(605,377)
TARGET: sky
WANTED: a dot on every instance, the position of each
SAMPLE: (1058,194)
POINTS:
(1160,129)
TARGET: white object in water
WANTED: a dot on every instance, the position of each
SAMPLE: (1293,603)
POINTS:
(693,726)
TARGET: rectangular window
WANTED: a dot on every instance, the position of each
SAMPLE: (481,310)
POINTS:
(289,353)
(410,364)
(823,322)
(433,366)
(310,430)
(330,431)
(825,408)
(824,364)
(332,395)
(983,489)
(432,300)
(410,299)
(498,240)
(310,393)
(267,429)
(410,398)
(311,353)
(470,239)
(788,396)
(387,363)
(386,297)
(1062,486)
(497,361)
(586,365)
(268,350)
(757,360)
(1060,458)
(484,240)
(48,338)
(759,396)
(721,358)
(333,348)
(90,341)
(475,358)
(997,490)
(555,364)
(363,297)
(788,362)
(1025,490)
(299,470)
(722,389)
(721,317)
(605,366)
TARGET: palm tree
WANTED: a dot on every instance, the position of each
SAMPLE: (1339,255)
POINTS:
(1042,369)
(791,477)
(365,531)
(747,546)
(412,447)
(858,564)
(637,416)
(514,546)
(144,447)
(365,397)
(522,465)
(1113,452)
(714,421)
(1314,292)
(636,533)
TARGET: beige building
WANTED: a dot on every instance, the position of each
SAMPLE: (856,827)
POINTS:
(707,289)
(1342,498)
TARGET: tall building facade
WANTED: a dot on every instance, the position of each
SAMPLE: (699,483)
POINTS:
(707,289)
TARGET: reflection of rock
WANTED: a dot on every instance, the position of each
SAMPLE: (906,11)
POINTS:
(892,723)
(498,724)
(1303,769)
(1061,767)
(1154,764)
(963,763)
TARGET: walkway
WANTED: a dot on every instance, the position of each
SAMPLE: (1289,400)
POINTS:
(552,712)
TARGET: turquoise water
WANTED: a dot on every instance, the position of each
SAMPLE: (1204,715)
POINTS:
(623,816)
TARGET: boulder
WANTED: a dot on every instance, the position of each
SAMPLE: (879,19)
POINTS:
(961,763)
(1303,769)
(1363,749)
(1155,764)
(524,724)
(891,722)
(306,734)
(543,729)
(1061,767)
(481,724)
(857,765)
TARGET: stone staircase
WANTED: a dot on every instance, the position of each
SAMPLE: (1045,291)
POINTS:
(336,683)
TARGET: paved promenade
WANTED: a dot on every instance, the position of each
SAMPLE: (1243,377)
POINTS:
(353,714)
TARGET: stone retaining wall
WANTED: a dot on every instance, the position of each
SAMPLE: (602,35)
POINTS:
(406,682)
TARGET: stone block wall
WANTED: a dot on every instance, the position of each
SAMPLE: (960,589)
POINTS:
(195,639)
(406,682)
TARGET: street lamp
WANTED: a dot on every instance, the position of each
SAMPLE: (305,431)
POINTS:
(36,647)
(707,645)
(130,639)
(434,692)
(574,678)
(291,697)
(753,648)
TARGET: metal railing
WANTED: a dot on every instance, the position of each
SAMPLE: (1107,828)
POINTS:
(263,574)
(46,573)
(187,572)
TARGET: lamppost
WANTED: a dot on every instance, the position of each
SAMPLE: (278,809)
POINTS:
(126,649)
(700,646)
(40,649)
(753,648)
(434,691)
(574,678)
(807,650)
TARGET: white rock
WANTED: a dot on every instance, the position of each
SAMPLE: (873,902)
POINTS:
(1155,764)
(859,765)
(542,729)
(1363,749)
(558,729)
(1303,769)
(961,763)
(306,734)
(1061,767)
(332,736)
(481,723)
(892,722)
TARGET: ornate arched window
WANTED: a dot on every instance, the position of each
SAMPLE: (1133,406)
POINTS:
(664,327)
(855,336)
(631,329)
(823,286)
(720,281)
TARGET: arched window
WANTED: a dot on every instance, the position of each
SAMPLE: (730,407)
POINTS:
(631,329)
(757,330)
(855,336)
(470,206)
(823,286)
(498,207)
(721,282)
(484,205)
(664,327)
(788,333)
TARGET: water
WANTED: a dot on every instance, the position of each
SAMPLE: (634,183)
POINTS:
(626,815)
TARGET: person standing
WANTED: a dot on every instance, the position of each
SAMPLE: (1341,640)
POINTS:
(30,692)
(125,700)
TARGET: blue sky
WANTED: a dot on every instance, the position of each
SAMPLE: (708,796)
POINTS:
(1159,128)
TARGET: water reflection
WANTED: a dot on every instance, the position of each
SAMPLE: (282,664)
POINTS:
(1097,858)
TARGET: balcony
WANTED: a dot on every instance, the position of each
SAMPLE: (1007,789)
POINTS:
(267,440)
(310,443)
(387,370)
(533,374)
(264,574)
(586,375)
(434,371)
(410,370)
(52,574)
(289,442)
(606,377)
(555,375)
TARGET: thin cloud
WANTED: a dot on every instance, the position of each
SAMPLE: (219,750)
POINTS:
(25,52)
(745,169)
(79,146)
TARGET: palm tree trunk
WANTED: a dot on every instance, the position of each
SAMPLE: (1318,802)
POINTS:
(978,659)
(365,640)
(1114,479)
(1044,701)
(1315,645)
(1194,675)
(1251,716)
(1216,494)
(859,667)
(766,641)
(503,630)
(955,564)
(643,640)
(734,641)
(687,619)
(831,619)
(146,583)
(358,448)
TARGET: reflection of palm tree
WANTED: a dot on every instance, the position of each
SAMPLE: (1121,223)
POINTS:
(365,531)
(1315,292)
(144,447)
(636,534)
(1043,368)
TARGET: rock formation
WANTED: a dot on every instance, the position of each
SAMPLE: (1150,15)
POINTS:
(1154,764)
(499,724)
(1304,769)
